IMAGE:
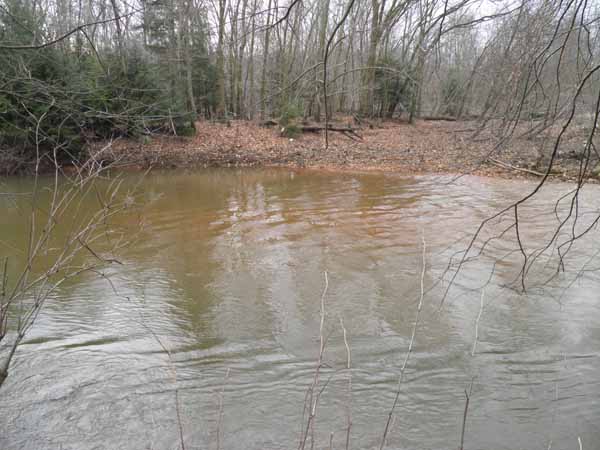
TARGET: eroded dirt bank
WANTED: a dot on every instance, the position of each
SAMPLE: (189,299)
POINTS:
(425,147)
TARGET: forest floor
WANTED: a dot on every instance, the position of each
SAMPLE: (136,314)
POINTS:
(424,147)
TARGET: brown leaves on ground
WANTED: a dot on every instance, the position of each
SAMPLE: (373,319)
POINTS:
(423,147)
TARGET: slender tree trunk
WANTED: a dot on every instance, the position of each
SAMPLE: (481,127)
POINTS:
(263,79)
(239,64)
(185,24)
(249,80)
(120,43)
(324,13)
(220,69)
(368,84)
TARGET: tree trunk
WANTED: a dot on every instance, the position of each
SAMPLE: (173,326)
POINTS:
(188,62)
(319,73)
(368,82)
(220,77)
(263,79)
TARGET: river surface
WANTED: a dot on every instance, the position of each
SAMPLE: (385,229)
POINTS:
(228,273)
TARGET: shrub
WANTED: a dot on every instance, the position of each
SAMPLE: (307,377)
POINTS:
(394,87)
(453,94)
(288,121)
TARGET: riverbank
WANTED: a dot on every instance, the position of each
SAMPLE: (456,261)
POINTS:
(425,147)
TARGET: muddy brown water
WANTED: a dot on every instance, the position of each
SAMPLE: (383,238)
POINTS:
(228,273)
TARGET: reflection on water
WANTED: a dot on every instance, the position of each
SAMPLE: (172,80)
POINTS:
(229,274)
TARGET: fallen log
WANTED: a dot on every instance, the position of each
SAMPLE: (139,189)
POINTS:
(308,128)
(318,128)
(347,131)
(504,165)
(439,118)
(268,123)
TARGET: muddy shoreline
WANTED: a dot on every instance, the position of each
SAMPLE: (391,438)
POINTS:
(426,147)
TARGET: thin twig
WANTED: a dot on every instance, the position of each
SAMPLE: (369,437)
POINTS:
(477,323)
(312,404)
(68,33)
(173,371)
(499,163)
(410,346)
(465,413)
(349,368)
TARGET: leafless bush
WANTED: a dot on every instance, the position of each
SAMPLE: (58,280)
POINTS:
(64,241)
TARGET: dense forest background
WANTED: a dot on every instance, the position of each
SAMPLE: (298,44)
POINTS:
(72,71)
